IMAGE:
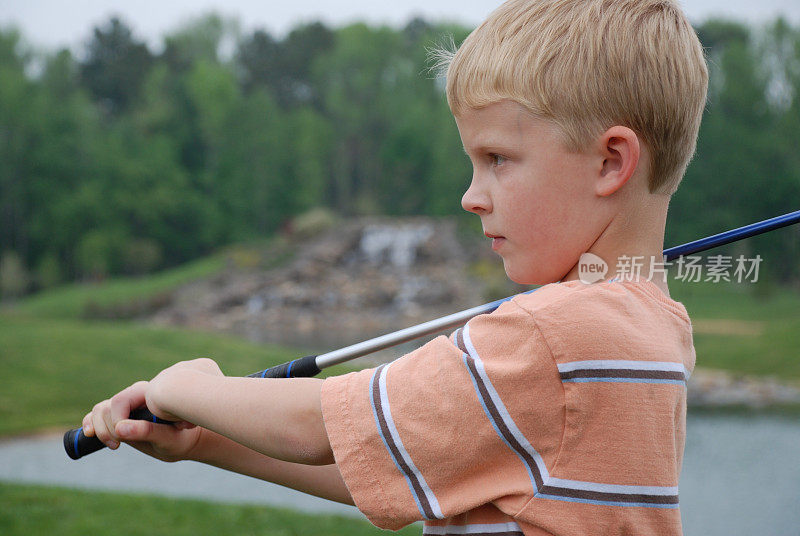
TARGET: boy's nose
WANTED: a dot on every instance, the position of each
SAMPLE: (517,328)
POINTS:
(476,199)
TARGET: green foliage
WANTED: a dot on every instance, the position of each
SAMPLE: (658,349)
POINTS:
(143,256)
(115,66)
(313,222)
(26,510)
(285,67)
(747,167)
(127,159)
(14,278)
(48,271)
(96,252)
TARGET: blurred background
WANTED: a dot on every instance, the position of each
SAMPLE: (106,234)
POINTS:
(254,182)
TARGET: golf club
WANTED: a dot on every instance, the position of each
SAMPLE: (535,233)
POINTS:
(78,445)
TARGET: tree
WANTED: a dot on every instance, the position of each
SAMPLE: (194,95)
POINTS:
(115,67)
(62,161)
(18,113)
(205,38)
(359,75)
(285,67)
(739,151)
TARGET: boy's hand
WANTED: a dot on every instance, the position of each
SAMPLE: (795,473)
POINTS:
(109,419)
(163,388)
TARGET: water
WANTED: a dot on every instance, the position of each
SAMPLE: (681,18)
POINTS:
(741,475)
(42,460)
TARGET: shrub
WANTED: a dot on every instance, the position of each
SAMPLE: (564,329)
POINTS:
(14,278)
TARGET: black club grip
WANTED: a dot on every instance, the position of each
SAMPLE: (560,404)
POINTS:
(78,445)
(305,367)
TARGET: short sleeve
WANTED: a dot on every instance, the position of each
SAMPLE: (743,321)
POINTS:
(460,422)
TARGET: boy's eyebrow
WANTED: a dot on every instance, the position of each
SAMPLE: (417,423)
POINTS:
(484,148)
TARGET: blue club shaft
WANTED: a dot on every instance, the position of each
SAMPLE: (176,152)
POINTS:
(733,235)
(456,319)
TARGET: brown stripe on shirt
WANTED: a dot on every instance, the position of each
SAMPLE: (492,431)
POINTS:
(387,436)
(612,497)
(459,340)
(624,373)
(500,424)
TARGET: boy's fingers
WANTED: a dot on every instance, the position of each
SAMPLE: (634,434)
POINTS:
(100,423)
(105,426)
(127,400)
(132,431)
(86,423)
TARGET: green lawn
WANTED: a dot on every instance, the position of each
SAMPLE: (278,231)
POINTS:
(27,510)
(77,300)
(773,353)
(744,301)
(55,370)
(763,340)
(73,300)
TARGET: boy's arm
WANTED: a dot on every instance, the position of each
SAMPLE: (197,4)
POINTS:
(281,418)
(319,480)
(213,449)
(268,429)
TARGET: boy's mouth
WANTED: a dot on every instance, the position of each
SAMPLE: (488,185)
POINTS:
(497,240)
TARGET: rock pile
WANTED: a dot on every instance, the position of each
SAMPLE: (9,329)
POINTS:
(719,389)
(362,279)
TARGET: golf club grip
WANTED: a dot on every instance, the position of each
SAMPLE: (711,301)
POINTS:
(78,445)
(305,367)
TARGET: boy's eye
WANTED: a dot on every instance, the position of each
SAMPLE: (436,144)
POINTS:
(497,159)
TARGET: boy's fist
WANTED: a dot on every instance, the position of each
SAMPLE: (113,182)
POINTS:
(109,420)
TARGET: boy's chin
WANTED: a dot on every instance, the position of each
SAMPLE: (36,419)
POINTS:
(529,276)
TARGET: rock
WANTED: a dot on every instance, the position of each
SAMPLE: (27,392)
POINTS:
(719,389)
(364,278)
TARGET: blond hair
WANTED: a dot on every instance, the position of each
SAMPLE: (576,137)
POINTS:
(588,65)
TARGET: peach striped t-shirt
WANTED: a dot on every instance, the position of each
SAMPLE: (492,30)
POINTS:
(561,413)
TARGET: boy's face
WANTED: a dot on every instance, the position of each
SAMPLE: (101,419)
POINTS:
(535,199)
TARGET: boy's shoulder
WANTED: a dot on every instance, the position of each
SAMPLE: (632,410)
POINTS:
(609,297)
(633,318)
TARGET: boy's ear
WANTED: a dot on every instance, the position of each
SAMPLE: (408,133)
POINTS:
(619,149)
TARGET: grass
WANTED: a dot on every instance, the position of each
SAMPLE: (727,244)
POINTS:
(745,301)
(75,300)
(55,370)
(72,301)
(26,510)
(772,353)
(770,344)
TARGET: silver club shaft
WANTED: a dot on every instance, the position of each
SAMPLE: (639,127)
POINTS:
(404,335)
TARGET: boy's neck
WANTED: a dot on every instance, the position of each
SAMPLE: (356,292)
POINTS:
(647,268)
(632,245)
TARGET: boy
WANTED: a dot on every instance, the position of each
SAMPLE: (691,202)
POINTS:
(563,412)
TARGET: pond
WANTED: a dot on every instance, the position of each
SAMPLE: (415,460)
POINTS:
(741,475)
